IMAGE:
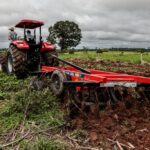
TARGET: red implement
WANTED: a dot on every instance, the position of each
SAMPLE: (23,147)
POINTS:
(88,89)
(99,76)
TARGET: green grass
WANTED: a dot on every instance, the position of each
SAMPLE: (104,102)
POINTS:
(43,144)
(36,110)
(10,85)
(133,57)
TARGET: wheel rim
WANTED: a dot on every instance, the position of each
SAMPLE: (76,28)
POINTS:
(9,64)
(57,80)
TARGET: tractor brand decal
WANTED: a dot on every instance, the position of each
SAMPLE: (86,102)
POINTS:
(79,75)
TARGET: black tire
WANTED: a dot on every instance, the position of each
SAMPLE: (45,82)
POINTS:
(16,63)
(57,80)
(49,60)
(3,62)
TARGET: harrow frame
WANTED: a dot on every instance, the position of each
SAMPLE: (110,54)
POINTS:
(103,78)
(89,90)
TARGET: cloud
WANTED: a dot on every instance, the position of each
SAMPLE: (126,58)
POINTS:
(116,22)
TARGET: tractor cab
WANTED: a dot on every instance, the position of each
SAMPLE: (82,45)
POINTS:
(24,44)
(28,26)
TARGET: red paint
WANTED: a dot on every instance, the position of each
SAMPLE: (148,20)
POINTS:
(21,44)
(97,76)
(46,46)
(29,24)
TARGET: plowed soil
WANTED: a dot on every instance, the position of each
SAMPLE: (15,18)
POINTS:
(115,66)
(125,126)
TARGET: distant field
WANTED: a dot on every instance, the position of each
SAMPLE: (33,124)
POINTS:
(133,57)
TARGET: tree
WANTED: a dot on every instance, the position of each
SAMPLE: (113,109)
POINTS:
(66,33)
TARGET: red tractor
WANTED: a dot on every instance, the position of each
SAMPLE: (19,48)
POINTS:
(24,57)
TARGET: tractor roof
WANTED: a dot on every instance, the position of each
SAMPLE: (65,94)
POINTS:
(29,24)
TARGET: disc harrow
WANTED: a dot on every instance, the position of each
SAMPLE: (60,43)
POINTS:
(90,91)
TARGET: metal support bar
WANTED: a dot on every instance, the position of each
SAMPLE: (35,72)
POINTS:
(72,65)
(24,32)
(40,35)
(35,34)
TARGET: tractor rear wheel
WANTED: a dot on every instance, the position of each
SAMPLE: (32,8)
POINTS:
(3,60)
(49,60)
(16,63)
(57,79)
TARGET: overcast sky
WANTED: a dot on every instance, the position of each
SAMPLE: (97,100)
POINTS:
(104,23)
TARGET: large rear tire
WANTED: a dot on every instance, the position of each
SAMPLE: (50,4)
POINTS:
(16,63)
(3,61)
(49,60)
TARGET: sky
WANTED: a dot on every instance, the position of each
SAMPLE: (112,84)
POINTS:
(104,23)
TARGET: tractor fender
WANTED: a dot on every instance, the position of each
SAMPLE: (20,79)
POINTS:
(20,44)
(46,46)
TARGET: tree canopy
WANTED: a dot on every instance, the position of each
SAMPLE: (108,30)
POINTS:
(66,34)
